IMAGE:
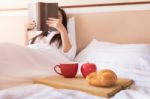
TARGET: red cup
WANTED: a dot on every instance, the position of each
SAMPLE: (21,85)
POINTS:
(68,70)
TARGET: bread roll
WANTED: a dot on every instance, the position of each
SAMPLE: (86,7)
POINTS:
(103,78)
(92,79)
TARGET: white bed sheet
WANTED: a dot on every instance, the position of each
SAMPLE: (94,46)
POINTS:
(37,91)
(19,64)
(141,87)
(140,90)
(35,63)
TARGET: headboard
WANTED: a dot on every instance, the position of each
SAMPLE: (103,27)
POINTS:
(120,24)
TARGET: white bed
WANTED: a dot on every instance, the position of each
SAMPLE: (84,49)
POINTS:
(19,65)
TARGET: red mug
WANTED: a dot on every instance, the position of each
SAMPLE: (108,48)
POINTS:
(68,70)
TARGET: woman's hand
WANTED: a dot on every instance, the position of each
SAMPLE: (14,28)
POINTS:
(30,25)
(56,23)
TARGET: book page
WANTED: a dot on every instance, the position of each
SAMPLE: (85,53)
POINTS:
(33,14)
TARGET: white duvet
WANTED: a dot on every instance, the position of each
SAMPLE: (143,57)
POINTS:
(19,65)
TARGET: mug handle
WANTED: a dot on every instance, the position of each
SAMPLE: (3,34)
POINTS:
(56,69)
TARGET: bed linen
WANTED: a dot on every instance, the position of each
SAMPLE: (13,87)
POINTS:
(127,60)
(26,64)
(140,89)
(20,64)
(37,91)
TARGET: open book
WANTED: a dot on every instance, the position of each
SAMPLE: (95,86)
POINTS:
(40,12)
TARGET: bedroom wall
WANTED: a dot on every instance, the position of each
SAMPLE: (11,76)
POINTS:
(12,26)
(12,22)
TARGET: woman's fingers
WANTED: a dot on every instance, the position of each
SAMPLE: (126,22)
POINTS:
(53,19)
(33,25)
(30,25)
(51,22)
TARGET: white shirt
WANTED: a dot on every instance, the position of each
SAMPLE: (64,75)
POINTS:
(47,39)
(43,43)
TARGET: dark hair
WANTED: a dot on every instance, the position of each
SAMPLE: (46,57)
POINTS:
(56,37)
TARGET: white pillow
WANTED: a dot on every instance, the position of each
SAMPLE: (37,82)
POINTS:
(111,55)
(72,37)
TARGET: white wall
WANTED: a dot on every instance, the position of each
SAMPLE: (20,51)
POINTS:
(8,4)
(12,27)
(80,2)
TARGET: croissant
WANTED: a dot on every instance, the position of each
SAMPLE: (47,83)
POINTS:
(104,78)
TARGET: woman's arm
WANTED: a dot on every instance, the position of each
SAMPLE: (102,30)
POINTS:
(65,40)
(28,27)
(56,23)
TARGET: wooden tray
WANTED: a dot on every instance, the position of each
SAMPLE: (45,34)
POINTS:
(79,83)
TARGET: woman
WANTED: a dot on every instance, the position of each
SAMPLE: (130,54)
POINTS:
(58,39)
